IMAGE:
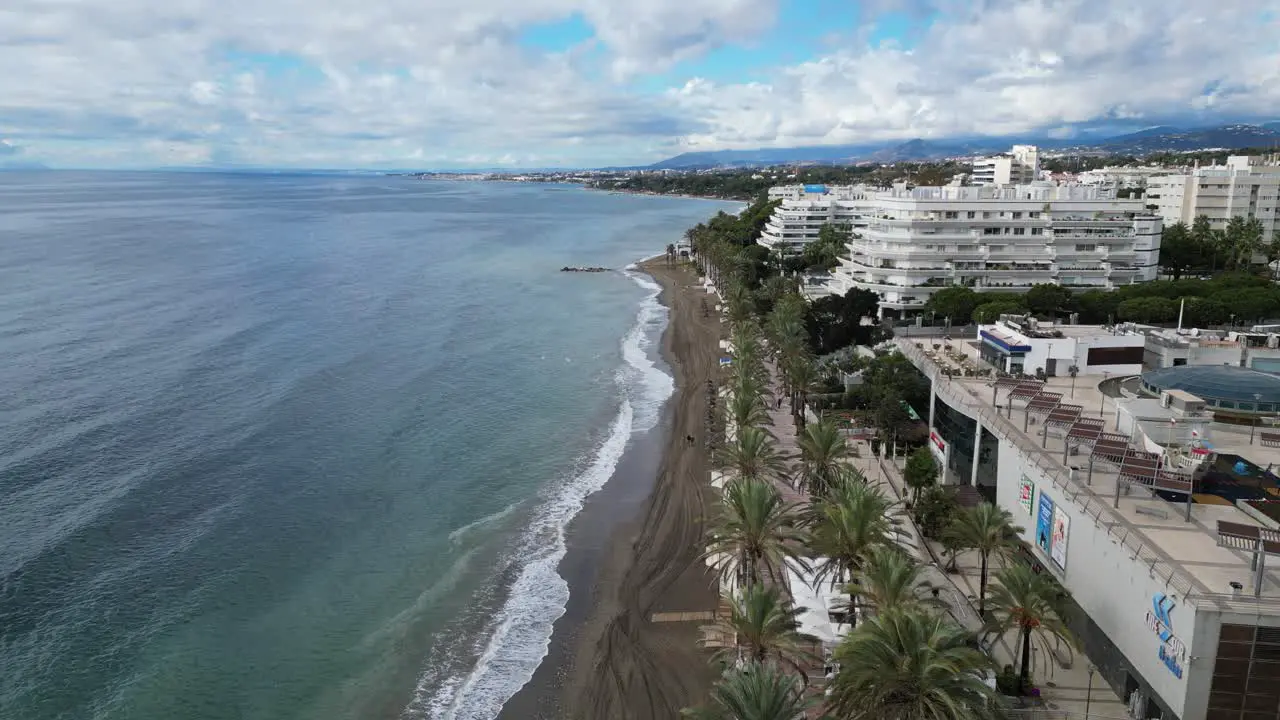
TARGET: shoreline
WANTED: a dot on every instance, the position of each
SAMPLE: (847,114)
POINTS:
(635,551)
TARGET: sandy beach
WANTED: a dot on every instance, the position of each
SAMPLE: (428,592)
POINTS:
(609,658)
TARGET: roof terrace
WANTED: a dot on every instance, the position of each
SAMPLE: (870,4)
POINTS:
(1066,429)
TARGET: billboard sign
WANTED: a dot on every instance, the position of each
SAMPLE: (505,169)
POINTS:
(939,448)
(1026,494)
(1058,539)
(1044,523)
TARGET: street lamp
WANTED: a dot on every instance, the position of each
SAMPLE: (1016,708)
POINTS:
(1253,423)
(1088,695)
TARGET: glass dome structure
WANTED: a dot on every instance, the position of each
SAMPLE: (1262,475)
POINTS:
(1222,387)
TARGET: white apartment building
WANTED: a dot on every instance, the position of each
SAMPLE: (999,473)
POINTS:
(1019,165)
(806,208)
(1247,187)
(914,242)
(1121,177)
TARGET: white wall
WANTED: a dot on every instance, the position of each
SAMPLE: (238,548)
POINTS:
(1113,589)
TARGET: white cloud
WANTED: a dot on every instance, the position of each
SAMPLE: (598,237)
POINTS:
(446,81)
(1009,66)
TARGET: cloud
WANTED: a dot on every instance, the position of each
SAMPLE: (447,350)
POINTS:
(448,82)
(8,149)
(1007,66)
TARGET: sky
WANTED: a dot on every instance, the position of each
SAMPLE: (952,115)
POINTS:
(431,84)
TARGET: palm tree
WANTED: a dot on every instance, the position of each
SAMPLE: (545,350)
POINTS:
(911,665)
(747,408)
(890,580)
(844,526)
(752,454)
(756,691)
(756,529)
(766,626)
(822,451)
(800,374)
(1033,604)
(988,529)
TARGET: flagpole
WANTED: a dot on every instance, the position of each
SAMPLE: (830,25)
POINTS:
(1182,306)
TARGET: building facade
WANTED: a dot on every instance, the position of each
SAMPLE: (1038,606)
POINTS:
(1019,166)
(1178,623)
(806,208)
(910,243)
(1025,346)
(1247,187)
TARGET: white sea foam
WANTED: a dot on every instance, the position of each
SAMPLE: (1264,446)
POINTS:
(459,533)
(521,634)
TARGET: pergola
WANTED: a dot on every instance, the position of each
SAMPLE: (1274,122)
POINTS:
(1259,541)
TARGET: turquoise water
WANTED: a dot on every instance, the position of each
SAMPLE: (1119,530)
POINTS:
(304,447)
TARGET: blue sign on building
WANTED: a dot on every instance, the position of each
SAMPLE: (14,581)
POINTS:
(1160,621)
(1044,523)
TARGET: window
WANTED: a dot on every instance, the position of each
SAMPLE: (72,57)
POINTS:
(986,216)
(971,214)
(1034,215)
(1086,248)
(1037,231)
(990,231)
(1019,231)
(1115,355)
(1017,216)
(951,215)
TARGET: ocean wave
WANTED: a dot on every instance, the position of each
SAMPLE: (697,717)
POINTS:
(521,634)
(459,533)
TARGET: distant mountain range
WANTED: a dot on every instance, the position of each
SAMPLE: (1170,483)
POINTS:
(1154,139)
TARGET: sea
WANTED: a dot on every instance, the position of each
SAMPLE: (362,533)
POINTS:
(306,446)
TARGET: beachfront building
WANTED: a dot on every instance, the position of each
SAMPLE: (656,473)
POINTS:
(1246,186)
(1022,345)
(1176,603)
(1018,166)
(914,241)
(806,208)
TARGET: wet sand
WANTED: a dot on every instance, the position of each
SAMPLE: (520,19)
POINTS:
(607,658)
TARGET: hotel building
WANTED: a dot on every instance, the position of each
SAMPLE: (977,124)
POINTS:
(1020,165)
(910,243)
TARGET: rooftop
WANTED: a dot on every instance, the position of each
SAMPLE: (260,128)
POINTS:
(1217,382)
(1185,553)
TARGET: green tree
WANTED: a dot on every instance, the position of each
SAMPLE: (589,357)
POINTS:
(1249,304)
(755,691)
(826,251)
(934,511)
(822,452)
(1180,252)
(911,665)
(990,312)
(766,627)
(1203,312)
(956,302)
(989,529)
(1048,299)
(921,471)
(1098,306)
(752,454)
(845,525)
(1034,605)
(755,531)
(1147,310)
(890,580)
